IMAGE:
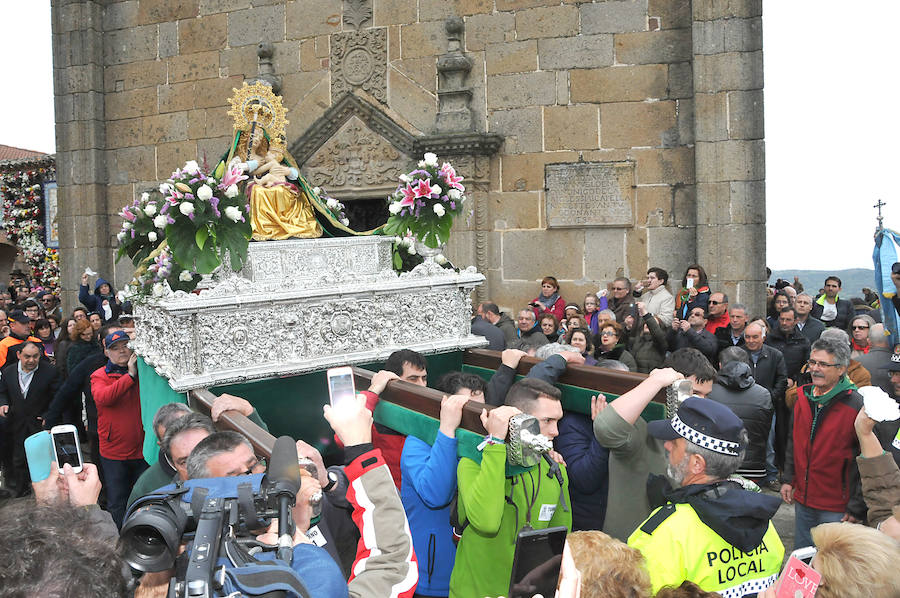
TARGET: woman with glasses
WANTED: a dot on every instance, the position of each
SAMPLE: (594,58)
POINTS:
(859,335)
(610,345)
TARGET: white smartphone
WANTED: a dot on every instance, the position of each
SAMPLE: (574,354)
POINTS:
(341,388)
(66,447)
(690,283)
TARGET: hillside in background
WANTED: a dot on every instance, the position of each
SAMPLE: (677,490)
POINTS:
(853,279)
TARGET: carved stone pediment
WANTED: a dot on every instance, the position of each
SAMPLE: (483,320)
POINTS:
(357,162)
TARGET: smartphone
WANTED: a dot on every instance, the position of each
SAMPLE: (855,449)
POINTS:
(690,283)
(66,447)
(537,561)
(341,387)
(798,579)
(39,454)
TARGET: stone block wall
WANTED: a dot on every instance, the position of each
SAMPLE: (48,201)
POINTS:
(671,86)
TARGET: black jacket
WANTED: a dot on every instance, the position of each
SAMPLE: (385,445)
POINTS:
(736,388)
(794,347)
(724,336)
(24,411)
(844,313)
(770,371)
(703,341)
(813,329)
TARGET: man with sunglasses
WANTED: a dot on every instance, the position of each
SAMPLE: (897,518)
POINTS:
(820,471)
(718,313)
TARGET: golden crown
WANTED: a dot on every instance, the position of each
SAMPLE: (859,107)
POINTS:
(257,103)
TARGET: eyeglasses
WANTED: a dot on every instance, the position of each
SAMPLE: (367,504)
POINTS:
(860,328)
(254,464)
(609,333)
(813,363)
(716,302)
(619,288)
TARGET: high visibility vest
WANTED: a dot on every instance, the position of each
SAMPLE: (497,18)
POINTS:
(678,547)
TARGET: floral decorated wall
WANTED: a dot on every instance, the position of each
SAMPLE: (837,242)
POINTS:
(23,188)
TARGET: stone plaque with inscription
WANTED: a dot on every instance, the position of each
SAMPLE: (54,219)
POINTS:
(590,194)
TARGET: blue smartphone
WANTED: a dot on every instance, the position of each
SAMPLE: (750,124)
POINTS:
(39,452)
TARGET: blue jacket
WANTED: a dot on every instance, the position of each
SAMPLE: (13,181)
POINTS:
(94,303)
(427,489)
(588,465)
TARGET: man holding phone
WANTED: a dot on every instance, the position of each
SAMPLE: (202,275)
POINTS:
(26,389)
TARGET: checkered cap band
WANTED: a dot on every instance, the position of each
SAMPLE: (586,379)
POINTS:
(700,439)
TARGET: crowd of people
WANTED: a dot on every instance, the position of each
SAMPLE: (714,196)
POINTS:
(680,506)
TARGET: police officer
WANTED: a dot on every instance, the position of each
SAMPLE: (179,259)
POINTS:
(710,530)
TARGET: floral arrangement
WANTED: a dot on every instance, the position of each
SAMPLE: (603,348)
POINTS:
(143,228)
(207,217)
(152,278)
(22,196)
(425,202)
(334,206)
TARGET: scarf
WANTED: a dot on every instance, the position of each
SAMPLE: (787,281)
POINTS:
(819,403)
(684,297)
(860,348)
(548,302)
(112,368)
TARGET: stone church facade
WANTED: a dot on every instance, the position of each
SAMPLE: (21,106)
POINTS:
(597,138)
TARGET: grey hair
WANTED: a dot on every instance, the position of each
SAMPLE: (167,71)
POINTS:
(609,312)
(212,446)
(730,354)
(734,306)
(528,311)
(613,364)
(763,329)
(865,317)
(839,349)
(877,337)
(718,465)
(545,351)
(836,334)
(167,414)
(804,294)
(191,421)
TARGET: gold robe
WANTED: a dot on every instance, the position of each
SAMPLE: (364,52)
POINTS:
(281,212)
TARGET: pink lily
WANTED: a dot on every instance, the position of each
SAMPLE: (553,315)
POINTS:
(232,176)
(409,196)
(423,188)
(449,175)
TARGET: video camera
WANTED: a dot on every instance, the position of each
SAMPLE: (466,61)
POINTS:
(221,516)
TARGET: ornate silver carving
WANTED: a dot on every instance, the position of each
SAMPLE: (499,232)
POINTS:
(330,302)
(357,162)
(359,60)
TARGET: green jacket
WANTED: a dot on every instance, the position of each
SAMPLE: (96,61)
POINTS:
(484,557)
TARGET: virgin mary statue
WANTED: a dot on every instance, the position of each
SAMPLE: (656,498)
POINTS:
(282,204)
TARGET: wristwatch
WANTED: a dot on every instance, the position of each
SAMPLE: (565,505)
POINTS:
(332,482)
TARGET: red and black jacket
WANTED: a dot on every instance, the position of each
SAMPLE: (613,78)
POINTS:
(822,466)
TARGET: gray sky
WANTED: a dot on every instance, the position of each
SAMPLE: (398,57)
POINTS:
(831,120)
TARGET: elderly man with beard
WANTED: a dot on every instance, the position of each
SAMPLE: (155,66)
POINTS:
(820,472)
(710,530)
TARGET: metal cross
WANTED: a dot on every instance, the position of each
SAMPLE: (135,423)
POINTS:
(879,205)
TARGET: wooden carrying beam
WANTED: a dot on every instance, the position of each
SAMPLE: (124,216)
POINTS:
(586,376)
(426,401)
(263,442)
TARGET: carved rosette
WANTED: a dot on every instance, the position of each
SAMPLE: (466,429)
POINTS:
(359,61)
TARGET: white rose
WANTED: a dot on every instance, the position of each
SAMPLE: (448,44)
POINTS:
(165,188)
(152,236)
(395,208)
(430,159)
(210,181)
(150,210)
(121,236)
(439,210)
(405,178)
(158,289)
(204,193)
(454,194)
(160,221)
(145,196)
(185,276)
(191,167)
(440,259)
(331,202)
(127,225)
(436,189)
(345,221)
(411,250)
(231,191)
(186,208)
(421,163)
(233,213)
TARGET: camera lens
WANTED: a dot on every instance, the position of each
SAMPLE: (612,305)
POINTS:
(151,535)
